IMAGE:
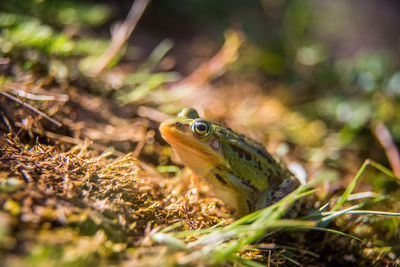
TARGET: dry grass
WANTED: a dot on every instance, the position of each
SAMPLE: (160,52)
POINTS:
(57,194)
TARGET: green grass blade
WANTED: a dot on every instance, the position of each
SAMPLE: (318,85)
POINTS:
(383,169)
(338,213)
(369,212)
(291,260)
(171,227)
(244,262)
(303,251)
(168,240)
(351,187)
(324,230)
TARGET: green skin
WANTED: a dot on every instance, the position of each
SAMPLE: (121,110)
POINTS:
(239,170)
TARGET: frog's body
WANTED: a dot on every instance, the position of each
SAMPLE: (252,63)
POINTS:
(240,171)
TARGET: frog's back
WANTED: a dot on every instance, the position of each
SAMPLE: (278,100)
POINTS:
(249,160)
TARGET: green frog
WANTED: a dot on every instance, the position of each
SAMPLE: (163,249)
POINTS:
(238,169)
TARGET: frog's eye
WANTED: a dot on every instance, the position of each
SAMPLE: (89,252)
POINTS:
(201,128)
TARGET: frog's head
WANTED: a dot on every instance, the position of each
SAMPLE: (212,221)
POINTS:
(194,140)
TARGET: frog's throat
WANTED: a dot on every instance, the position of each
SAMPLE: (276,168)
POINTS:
(180,143)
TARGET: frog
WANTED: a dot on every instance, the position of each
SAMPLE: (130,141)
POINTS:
(238,169)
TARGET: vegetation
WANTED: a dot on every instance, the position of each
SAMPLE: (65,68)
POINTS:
(86,179)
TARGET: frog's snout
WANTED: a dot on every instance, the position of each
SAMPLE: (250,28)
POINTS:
(173,127)
(165,126)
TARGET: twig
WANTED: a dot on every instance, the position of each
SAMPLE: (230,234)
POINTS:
(121,34)
(21,93)
(31,108)
(152,114)
(7,123)
(216,65)
(71,140)
(385,138)
(26,176)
